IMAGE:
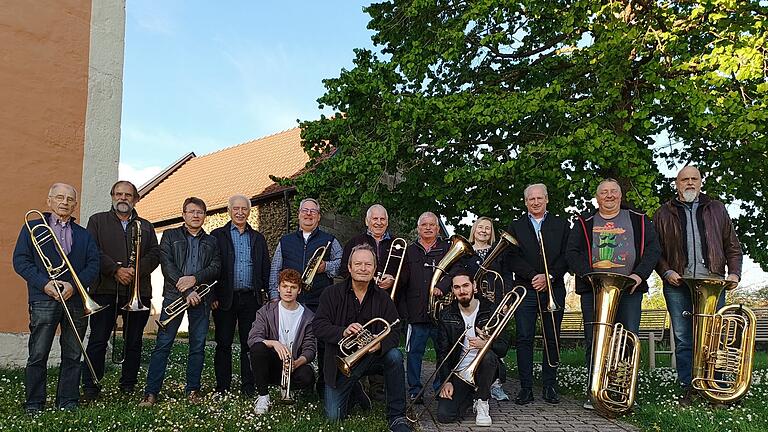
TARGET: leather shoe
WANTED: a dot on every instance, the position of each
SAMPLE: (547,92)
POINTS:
(194,397)
(687,398)
(550,395)
(524,396)
(148,400)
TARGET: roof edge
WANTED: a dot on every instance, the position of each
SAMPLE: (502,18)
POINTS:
(162,175)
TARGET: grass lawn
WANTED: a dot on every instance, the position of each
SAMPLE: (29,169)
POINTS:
(657,407)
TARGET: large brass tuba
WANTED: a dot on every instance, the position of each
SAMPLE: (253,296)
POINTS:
(355,346)
(489,290)
(459,247)
(723,342)
(312,266)
(615,350)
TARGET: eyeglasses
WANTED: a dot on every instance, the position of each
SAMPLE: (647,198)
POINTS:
(62,198)
(195,212)
(309,211)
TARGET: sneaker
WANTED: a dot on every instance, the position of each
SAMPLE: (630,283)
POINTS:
(588,405)
(483,418)
(261,406)
(148,400)
(497,392)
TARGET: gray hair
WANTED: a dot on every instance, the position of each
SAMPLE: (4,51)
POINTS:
(426,214)
(64,185)
(363,247)
(375,207)
(608,180)
(535,185)
(306,200)
(236,197)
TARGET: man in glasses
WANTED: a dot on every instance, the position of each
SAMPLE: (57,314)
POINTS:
(295,250)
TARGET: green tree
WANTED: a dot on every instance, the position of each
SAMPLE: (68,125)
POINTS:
(467,102)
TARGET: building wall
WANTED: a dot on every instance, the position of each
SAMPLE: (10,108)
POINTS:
(46,50)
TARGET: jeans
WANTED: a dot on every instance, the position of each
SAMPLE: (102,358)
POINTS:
(198,330)
(102,325)
(44,317)
(678,301)
(525,321)
(242,313)
(451,410)
(268,369)
(391,364)
(628,314)
(416,345)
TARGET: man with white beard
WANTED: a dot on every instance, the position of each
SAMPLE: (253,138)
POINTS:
(697,241)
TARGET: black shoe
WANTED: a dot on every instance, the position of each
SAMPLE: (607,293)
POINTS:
(400,424)
(416,400)
(248,392)
(550,395)
(687,397)
(89,396)
(524,396)
(127,389)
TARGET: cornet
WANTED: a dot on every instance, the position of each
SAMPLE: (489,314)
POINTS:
(180,305)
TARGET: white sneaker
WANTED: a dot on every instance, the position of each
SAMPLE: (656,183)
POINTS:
(497,392)
(261,406)
(483,417)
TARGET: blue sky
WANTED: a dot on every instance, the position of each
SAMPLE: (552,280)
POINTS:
(200,75)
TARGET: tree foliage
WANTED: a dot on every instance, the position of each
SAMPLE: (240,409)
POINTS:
(467,102)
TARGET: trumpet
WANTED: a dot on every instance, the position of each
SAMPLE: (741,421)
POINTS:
(312,266)
(180,305)
(486,289)
(285,378)
(355,346)
(459,247)
(41,234)
(724,342)
(396,251)
(551,308)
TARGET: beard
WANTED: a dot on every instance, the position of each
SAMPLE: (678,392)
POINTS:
(122,207)
(689,196)
(465,302)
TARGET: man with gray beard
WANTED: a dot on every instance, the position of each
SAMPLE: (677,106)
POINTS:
(697,241)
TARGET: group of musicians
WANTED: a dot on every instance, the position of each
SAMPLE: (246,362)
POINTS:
(691,235)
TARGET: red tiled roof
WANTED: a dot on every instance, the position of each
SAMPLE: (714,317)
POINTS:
(241,169)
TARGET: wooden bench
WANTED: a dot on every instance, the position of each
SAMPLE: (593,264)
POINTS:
(761,327)
(655,327)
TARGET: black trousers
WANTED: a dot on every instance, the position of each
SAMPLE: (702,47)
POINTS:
(102,324)
(451,410)
(268,369)
(320,385)
(242,313)
(525,321)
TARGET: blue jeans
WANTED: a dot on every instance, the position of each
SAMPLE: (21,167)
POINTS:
(44,317)
(628,314)
(391,364)
(198,330)
(417,343)
(678,301)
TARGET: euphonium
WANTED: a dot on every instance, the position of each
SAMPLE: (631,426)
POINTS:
(486,290)
(723,342)
(312,266)
(355,346)
(459,247)
(615,350)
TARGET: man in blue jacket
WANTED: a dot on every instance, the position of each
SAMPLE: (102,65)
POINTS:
(46,311)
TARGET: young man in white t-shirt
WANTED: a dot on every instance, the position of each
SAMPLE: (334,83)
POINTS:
(281,329)
(466,312)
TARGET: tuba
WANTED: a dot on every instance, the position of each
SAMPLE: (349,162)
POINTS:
(615,350)
(459,247)
(312,266)
(486,289)
(355,346)
(723,342)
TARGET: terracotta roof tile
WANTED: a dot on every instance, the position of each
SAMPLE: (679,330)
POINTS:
(244,168)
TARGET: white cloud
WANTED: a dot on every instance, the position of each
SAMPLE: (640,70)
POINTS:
(137,175)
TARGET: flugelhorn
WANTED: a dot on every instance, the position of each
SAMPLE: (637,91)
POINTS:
(180,305)
(459,248)
(396,251)
(40,234)
(489,290)
(355,346)
(550,309)
(723,342)
(615,350)
(312,266)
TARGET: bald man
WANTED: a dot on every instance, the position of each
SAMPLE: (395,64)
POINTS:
(698,241)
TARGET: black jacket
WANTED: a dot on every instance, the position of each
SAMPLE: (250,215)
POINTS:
(259,264)
(173,247)
(115,245)
(525,260)
(451,326)
(382,252)
(579,253)
(412,295)
(333,316)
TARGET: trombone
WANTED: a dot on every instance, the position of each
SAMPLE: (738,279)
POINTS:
(312,266)
(551,308)
(41,234)
(396,251)
(180,305)
(134,303)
